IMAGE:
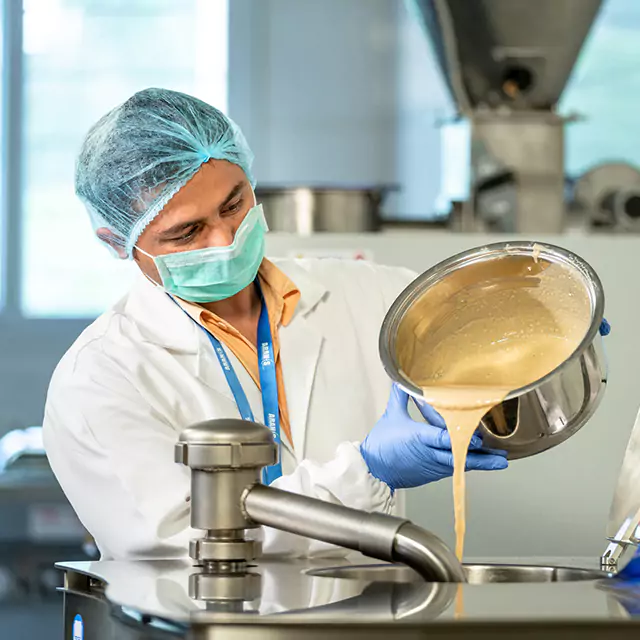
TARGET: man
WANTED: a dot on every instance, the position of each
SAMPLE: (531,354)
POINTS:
(167,182)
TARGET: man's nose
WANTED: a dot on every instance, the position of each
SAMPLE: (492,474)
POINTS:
(221,236)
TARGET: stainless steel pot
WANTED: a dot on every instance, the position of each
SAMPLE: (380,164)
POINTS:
(540,415)
(307,210)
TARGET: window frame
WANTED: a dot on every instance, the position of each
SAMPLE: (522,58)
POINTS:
(11,157)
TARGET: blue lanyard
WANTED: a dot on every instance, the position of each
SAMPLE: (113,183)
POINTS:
(268,385)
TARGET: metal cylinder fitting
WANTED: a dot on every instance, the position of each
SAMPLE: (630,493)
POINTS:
(225,457)
(233,587)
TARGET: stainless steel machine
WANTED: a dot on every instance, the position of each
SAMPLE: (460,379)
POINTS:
(506,63)
(305,210)
(225,591)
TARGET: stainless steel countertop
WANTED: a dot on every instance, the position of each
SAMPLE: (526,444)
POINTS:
(289,594)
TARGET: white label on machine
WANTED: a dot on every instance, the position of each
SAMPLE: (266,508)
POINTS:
(342,254)
(78,628)
(57,522)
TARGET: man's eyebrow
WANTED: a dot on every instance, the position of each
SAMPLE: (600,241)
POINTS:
(178,228)
(232,194)
(183,226)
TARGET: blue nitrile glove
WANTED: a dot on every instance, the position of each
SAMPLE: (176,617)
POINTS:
(605,327)
(404,453)
(632,570)
(625,586)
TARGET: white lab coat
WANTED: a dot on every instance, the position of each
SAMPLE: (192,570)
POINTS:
(144,371)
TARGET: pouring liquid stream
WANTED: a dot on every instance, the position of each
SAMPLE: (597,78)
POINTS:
(485,341)
(462,420)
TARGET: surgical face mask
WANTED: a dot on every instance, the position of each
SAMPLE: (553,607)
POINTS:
(216,273)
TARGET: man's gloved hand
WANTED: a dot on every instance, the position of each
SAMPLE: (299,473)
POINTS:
(632,570)
(605,327)
(404,453)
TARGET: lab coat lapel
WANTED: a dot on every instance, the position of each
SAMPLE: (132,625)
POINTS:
(158,319)
(209,370)
(300,349)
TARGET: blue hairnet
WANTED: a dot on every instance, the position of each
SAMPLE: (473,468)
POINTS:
(138,156)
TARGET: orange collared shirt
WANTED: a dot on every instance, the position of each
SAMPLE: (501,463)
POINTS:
(281,297)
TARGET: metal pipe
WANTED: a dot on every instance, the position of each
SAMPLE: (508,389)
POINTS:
(225,457)
(373,534)
(417,548)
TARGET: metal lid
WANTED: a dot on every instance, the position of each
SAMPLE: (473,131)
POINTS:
(226,431)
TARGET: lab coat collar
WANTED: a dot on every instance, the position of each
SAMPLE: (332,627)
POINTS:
(300,349)
(159,320)
(311,290)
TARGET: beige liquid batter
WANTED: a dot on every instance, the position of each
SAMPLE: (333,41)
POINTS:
(470,344)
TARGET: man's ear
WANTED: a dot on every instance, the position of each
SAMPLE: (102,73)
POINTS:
(114,241)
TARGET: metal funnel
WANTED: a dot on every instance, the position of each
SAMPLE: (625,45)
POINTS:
(507,52)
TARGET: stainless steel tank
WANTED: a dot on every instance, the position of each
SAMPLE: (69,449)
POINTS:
(540,415)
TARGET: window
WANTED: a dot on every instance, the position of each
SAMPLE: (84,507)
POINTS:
(81,58)
(3,83)
(604,88)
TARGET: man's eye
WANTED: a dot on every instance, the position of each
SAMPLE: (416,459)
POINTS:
(189,235)
(234,207)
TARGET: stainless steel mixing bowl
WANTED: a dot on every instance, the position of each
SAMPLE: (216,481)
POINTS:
(543,414)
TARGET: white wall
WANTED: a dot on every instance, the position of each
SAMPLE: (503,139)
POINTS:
(313,86)
(329,91)
(555,503)
(423,105)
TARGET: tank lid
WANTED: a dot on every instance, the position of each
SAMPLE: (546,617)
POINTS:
(226,431)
